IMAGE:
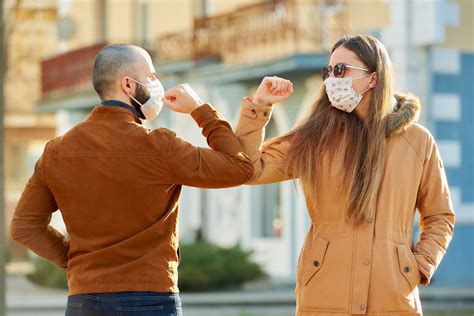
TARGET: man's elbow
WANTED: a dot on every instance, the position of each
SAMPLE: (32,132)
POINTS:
(243,172)
(18,232)
(15,232)
(249,172)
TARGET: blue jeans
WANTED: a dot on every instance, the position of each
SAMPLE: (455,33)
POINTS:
(124,303)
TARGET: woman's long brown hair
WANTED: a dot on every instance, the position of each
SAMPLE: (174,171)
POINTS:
(327,130)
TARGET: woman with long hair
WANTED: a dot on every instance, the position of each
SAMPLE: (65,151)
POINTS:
(365,168)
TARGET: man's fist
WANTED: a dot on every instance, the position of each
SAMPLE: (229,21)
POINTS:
(273,90)
(182,99)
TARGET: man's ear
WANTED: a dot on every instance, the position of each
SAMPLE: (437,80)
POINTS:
(373,80)
(126,85)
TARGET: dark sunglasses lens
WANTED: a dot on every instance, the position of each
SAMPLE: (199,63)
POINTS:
(339,70)
(326,71)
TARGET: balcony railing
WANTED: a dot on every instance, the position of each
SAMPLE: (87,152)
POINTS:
(69,72)
(261,31)
(258,31)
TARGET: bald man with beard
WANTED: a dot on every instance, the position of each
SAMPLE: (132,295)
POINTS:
(117,185)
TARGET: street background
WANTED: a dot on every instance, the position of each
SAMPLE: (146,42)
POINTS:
(223,48)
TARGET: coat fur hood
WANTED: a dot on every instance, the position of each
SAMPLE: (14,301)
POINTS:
(406,113)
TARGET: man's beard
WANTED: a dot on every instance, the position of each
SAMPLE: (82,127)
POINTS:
(141,96)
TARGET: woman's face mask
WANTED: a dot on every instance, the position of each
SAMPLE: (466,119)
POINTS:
(152,107)
(341,93)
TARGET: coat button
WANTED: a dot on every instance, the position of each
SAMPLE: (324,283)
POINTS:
(254,111)
(362,307)
(366,263)
(265,113)
(406,269)
(316,263)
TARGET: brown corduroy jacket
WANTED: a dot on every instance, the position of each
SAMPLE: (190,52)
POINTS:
(117,185)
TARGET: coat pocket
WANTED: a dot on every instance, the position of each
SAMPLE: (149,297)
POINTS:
(408,266)
(315,260)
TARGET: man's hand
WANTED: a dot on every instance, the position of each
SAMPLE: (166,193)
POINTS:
(273,90)
(182,99)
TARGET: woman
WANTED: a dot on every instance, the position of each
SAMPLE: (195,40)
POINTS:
(365,167)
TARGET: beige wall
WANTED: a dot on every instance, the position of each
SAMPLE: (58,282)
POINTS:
(171,16)
(318,29)
(365,16)
(121,21)
(83,14)
(176,16)
(31,35)
(462,36)
(226,6)
(123,18)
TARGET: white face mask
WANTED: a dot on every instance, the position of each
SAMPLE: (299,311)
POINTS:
(153,106)
(341,93)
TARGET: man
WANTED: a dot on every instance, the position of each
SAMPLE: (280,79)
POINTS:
(117,186)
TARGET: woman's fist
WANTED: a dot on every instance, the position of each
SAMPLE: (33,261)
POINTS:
(273,90)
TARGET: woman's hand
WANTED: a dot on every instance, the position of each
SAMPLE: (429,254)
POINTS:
(273,90)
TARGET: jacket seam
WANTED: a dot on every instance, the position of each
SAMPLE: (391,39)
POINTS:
(354,245)
(438,211)
(420,159)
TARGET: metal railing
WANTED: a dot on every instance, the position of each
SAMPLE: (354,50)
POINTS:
(68,72)
(225,36)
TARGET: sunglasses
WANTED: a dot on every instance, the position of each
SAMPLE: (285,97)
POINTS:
(339,70)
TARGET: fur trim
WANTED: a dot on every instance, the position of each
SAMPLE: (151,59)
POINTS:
(405,114)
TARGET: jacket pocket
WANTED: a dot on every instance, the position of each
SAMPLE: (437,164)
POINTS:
(408,266)
(315,260)
(74,309)
(141,310)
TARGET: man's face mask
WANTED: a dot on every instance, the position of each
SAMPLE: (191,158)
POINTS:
(150,104)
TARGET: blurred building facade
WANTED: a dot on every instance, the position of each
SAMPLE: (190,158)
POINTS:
(224,48)
(30,36)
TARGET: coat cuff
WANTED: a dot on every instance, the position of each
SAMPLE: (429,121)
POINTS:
(204,113)
(426,269)
(255,115)
(63,259)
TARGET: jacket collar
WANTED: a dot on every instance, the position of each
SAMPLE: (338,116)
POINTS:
(113,113)
(406,113)
(120,104)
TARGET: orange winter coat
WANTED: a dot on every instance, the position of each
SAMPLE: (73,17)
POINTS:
(373,268)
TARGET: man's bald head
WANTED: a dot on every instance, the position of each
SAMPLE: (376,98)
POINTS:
(111,62)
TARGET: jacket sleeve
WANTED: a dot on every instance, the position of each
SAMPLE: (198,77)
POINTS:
(436,214)
(30,224)
(269,159)
(224,165)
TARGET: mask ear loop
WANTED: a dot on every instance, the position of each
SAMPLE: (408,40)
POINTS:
(368,88)
(361,77)
(134,99)
(361,93)
(130,94)
(136,81)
